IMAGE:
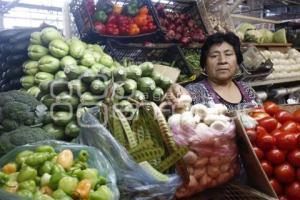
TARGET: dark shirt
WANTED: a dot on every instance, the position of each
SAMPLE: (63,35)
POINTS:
(203,93)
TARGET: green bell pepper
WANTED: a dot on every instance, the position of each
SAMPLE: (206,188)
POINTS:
(74,172)
(106,6)
(58,194)
(48,64)
(58,48)
(90,174)
(28,185)
(39,158)
(26,173)
(45,179)
(100,16)
(132,10)
(45,148)
(103,193)
(68,184)
(21,157)
(81,165)
(35,52)
(83,156)
(55,178)
(42,197)
(57,169)
(46,168)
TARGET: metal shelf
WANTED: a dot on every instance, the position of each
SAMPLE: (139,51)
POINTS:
(273,82)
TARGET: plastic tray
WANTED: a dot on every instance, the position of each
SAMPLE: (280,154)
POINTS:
(88,33)
(164,53)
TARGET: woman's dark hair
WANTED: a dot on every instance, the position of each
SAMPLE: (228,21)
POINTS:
(218,38)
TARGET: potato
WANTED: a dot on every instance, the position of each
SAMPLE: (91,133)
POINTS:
(198,173)
(201,162)
(215,160)
(213,171)
(190,158)
(225,167)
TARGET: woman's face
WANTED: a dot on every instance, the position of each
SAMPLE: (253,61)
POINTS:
(221,63)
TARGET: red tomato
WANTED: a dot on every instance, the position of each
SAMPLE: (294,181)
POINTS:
(260,130)
(277,132)
(294,158)
(258,114)
(290,127)
(271,107)
(285,173)
(284,116)
(259,153)
(267,167)
(287,141)
(251,134)
(283,197)
(276,186)
(269,123)
(298,174)
(297,115)
(293,191)
(275,156)
(265,141)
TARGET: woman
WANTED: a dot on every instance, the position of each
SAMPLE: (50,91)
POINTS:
(220,59)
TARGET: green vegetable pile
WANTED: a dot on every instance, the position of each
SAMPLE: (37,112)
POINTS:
(44,174)
(67,75)
(248,33)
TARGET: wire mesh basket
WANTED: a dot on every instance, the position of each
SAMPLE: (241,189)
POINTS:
(88,33)
(166,54)
(215,15)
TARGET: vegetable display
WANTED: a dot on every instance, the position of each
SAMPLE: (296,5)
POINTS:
(130,19)
(275,140)
(47,174)
(179,27)
(209,135)
(69,74)
(285,64)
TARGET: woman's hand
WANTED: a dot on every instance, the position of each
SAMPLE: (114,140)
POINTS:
(173,98)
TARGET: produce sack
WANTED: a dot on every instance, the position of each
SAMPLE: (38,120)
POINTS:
(134,182)
(96,160)
(212,157)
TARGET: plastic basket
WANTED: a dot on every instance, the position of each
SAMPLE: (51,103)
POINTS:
(88,33)
(163,53)
(180,7)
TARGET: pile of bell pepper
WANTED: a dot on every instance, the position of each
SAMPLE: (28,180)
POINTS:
(130,19)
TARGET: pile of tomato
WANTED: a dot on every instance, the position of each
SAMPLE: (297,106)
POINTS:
(276,142)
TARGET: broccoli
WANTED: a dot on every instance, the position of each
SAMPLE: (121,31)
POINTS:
(18,108)
(21,136)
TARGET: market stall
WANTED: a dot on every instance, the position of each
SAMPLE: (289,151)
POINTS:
(82,117)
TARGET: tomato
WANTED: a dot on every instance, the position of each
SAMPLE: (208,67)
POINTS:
(275,156)
(269,123)
(297,115)
(283,197)
(251,134)
(285,173)
(276,186)
(287,141)
(271,107)
(298,174)
(260,130)
(259,153)
(290,127)
(277,132)
(265,142)
(267,167)
(294,158)
(284,116)
(293,191)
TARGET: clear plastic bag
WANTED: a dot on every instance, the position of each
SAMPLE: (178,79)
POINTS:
(212,159)
(96,160)
(134,182)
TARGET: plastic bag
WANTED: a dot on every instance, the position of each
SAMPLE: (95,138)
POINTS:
(133,181)
(96,160)
(212,159)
